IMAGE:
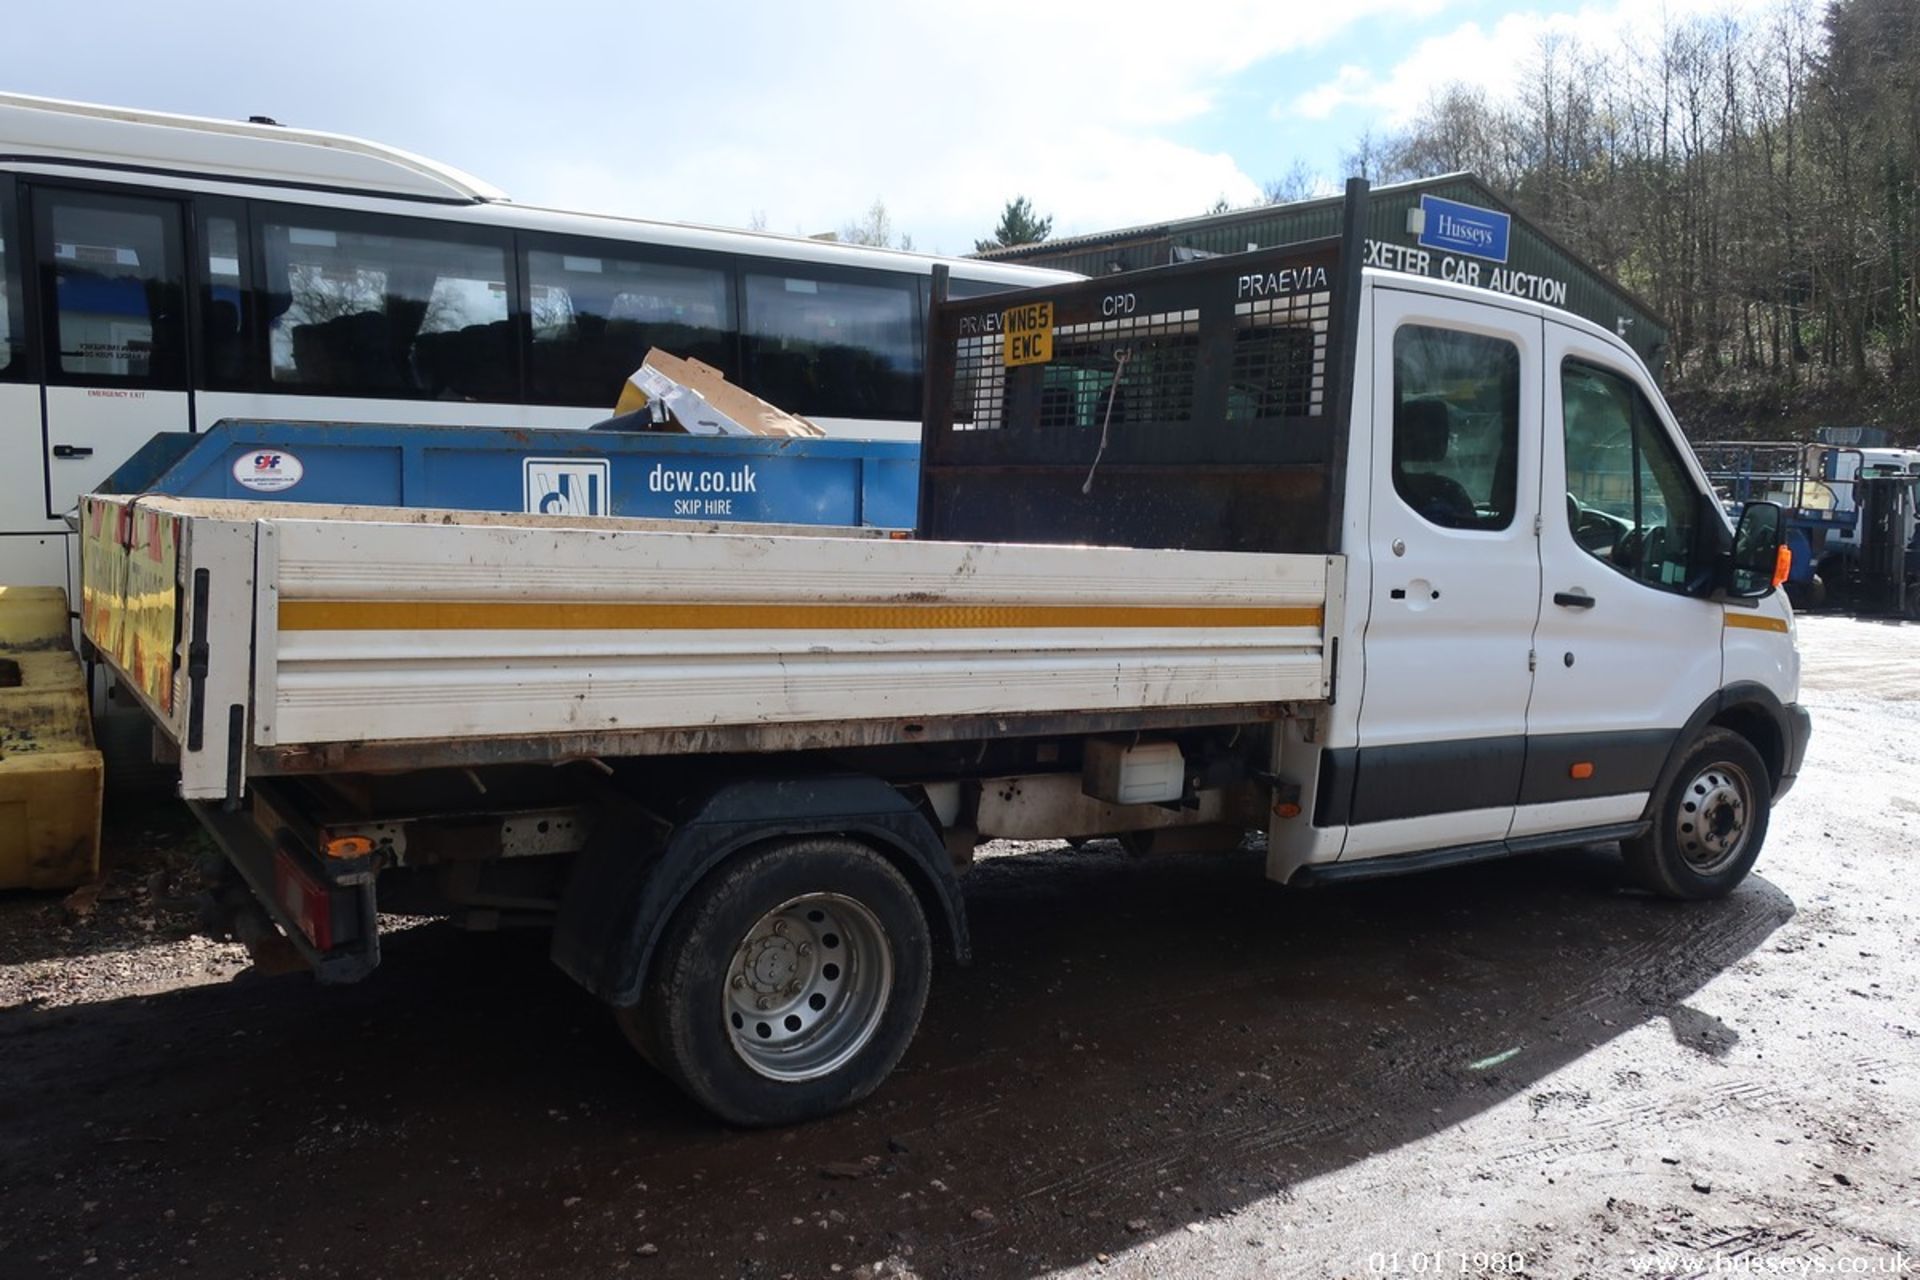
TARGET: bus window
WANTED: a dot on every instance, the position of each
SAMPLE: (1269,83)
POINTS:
(959,287)
(12,339)
(831,348)
(360,313)
(117,287)
(223,299)
(595,318)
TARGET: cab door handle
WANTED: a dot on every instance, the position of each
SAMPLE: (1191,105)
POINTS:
(72,451)
(1573,599)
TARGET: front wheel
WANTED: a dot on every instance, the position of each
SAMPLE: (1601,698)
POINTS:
(788,984)
(1709,822)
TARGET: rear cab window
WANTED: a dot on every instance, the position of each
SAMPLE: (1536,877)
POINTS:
(1456,426)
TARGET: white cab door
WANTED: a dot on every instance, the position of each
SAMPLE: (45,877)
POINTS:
(1456,577)
(1628,645)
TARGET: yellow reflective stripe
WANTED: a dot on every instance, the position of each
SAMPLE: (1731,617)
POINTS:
(520,615)
(1757,622)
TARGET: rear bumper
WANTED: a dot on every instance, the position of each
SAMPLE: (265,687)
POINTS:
(1799,729)
(354,936)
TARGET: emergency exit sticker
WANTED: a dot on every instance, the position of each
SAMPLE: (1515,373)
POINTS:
(1027,334)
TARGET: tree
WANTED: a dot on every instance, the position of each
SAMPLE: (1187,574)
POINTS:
(875,229)
(1018,225)
(1296,184)
(1758,181)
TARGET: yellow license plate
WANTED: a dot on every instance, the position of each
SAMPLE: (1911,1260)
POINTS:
(1027,334)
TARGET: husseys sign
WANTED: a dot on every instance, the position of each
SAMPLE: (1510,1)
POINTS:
(1468,245)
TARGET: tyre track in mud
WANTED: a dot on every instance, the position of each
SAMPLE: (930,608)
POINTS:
(1646,979)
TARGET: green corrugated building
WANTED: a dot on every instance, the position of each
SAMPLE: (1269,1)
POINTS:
(1529,263)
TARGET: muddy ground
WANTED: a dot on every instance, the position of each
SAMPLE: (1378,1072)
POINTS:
(1161,1067)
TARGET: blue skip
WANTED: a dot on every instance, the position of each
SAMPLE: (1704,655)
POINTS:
(543,471)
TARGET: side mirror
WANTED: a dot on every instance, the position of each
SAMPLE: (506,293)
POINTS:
(1753,567)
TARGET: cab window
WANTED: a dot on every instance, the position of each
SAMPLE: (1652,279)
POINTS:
(1631,503)
(1456,426)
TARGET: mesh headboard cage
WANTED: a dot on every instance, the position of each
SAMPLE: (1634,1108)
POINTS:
(1220,388)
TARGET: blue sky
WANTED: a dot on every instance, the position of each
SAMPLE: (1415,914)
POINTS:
(801,116)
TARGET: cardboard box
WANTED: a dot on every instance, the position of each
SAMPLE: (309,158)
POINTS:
(698,399)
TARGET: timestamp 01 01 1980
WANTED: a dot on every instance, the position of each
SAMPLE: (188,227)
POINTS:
(1445,1262)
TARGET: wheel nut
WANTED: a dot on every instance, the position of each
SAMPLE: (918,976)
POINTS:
(763,1003)
(806,948)
(739,981)
(780,926)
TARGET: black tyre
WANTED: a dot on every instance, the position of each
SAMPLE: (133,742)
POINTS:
(788,984)
(1709,822)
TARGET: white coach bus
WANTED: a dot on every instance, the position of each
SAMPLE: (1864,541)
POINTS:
(162,272)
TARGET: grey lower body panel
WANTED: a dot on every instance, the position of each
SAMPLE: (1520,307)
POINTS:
(1459,855)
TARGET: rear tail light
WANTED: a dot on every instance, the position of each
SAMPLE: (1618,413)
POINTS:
(306,901)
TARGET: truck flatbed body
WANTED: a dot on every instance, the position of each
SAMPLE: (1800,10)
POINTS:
(371,638)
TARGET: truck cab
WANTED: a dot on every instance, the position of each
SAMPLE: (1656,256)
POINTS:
(1539,621)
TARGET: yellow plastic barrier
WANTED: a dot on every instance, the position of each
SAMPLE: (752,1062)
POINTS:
(50,773)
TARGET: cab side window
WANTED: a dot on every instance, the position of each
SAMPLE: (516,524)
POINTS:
(1630,502)
(1456,426)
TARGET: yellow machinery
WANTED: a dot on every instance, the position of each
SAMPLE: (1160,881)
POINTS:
(50,773)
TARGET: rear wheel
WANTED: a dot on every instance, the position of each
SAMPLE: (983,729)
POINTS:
(1708,824)
(788,984)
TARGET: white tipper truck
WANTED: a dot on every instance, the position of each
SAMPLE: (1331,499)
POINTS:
(1401,572)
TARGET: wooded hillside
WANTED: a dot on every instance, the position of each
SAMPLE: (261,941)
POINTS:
(1757,182)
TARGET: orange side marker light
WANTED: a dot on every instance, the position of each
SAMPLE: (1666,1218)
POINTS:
(349,847)
(1581,771)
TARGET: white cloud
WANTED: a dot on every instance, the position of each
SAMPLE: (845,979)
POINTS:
(1353,84)
(943,113)
(1491,57)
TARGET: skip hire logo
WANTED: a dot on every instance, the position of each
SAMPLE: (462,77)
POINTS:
(565,486)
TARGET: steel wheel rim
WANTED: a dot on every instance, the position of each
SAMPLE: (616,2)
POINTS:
(1714,821)
(807,986)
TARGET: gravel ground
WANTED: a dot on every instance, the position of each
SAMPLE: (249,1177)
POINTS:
(1156,1067)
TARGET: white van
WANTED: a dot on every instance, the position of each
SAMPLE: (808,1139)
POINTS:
(1546,651)
(1405,573)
